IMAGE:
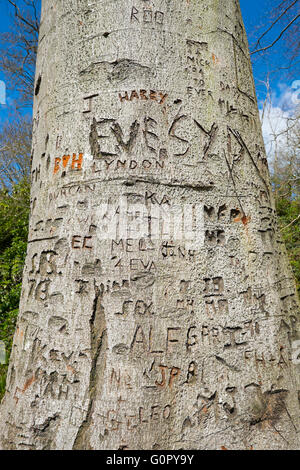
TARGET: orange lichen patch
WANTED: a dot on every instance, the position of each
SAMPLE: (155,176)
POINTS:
(71,369)
(246,219)
(56,165)
(28,383)
(223,448)
(205,409)
(215,59)
(243,219)
(20,333)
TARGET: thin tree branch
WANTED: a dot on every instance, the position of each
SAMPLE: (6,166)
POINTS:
(277,39)
(292,223)
(21,17)
(274,23)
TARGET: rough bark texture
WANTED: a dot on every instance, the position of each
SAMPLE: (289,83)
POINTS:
(130,340)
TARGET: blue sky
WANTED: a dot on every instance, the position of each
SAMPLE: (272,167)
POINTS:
(256,13)
(284,82)
(257,16)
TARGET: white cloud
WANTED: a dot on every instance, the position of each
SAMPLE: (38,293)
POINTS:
(274,124)
(275,117)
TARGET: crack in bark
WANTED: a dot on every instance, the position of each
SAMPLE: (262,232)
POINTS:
(98,348)
(132,181)
(211,134)
(44,426)
(233,368)
(242,143)
(196,186)
(230,169)
(118,70)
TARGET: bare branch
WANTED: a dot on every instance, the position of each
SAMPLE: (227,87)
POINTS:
(292,223)
(274,23)
(278,37)
(19,48)
(22,18)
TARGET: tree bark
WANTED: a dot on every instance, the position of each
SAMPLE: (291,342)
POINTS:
(158,308)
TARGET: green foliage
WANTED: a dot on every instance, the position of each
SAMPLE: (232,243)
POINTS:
(288,210)
(14,212)
(2,380)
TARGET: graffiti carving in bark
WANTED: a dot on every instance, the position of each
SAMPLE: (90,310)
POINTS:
(158,309)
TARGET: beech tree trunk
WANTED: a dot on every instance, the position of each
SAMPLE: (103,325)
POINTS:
(158,308)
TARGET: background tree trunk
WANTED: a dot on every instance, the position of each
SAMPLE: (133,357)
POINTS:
(134,333)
